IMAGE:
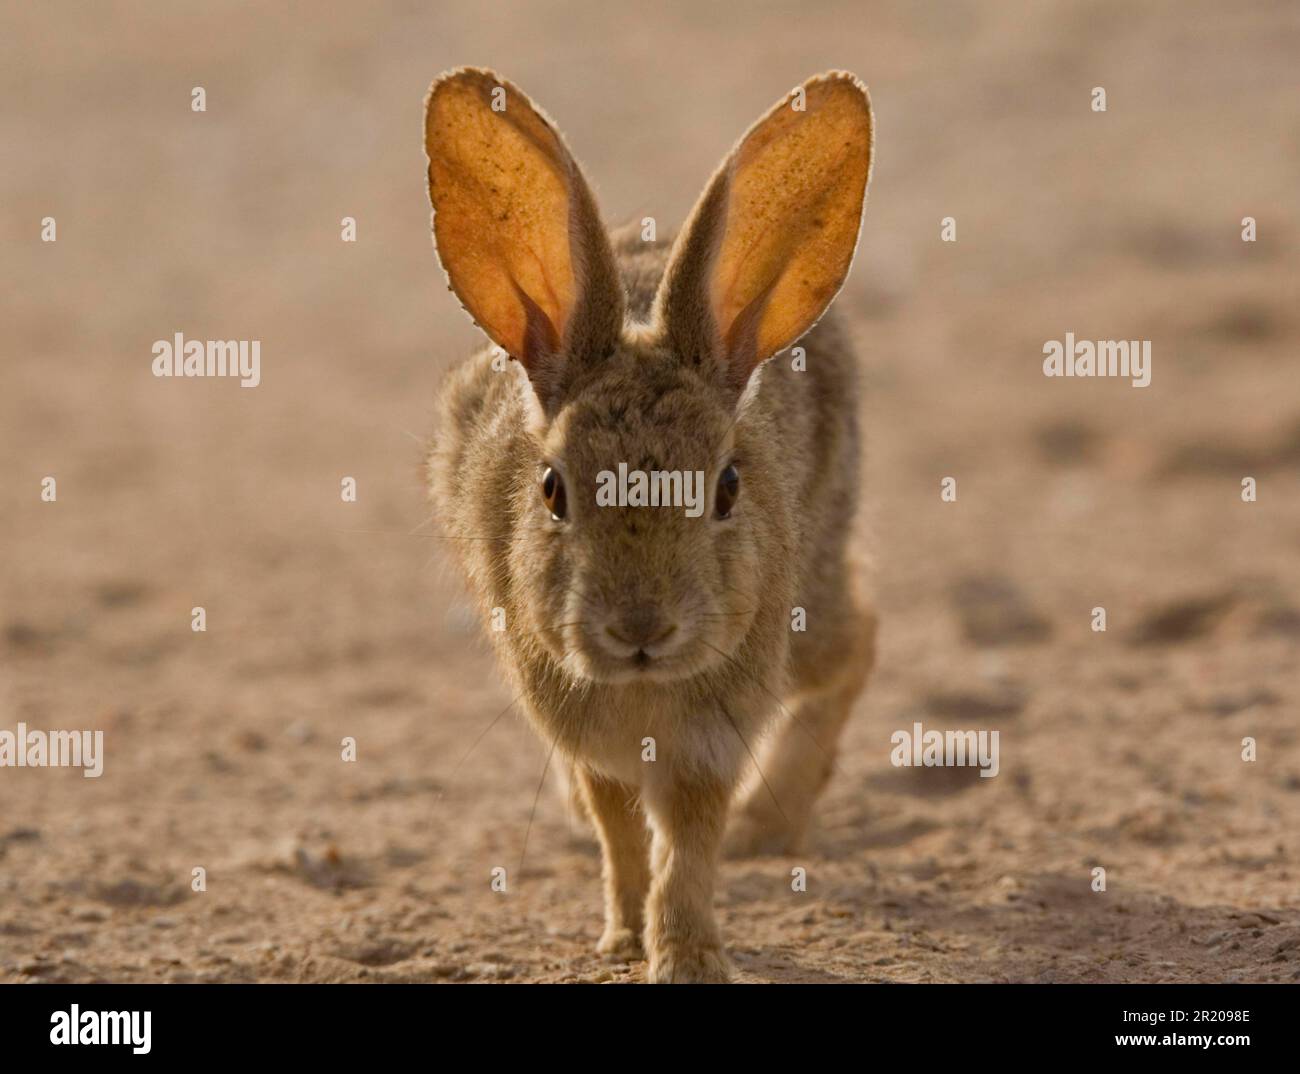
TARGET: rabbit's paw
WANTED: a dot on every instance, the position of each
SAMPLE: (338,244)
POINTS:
(756,834)
(620,945)
(689,965)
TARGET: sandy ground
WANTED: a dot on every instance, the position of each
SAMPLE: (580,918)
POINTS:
(327,619)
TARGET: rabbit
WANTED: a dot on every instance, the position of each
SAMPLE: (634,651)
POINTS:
(650,647)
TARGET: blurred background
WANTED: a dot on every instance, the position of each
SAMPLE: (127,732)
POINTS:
(328,619)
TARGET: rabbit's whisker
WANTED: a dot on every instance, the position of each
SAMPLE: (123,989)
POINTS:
(533,812)
(426,536)
(481,735)
(426,521)
(761,774)
(797,722)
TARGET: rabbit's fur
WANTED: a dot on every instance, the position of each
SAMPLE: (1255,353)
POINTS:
(624,624)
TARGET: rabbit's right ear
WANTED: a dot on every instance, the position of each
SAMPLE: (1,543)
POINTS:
(517,228)
(772,238)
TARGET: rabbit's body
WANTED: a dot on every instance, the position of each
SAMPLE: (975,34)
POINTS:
(802,425)
(650,647)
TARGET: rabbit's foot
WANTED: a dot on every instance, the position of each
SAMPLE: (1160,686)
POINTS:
(620,945)
(680,964)
(757,832)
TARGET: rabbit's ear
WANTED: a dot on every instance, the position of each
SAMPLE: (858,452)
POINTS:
(517,228)
(772,238)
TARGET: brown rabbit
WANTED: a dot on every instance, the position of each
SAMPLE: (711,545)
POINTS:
(653,645)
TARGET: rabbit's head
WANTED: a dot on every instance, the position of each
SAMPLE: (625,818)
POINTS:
(648,504)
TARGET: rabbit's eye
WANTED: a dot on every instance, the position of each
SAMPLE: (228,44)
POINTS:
(553,493)
(728,490)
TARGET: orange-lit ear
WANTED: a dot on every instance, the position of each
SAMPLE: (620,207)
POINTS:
(516,226)
(771,240)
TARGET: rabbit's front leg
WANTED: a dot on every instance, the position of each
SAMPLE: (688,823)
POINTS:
(625,849)
(687,817)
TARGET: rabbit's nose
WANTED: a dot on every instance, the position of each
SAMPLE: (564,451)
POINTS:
(640,627)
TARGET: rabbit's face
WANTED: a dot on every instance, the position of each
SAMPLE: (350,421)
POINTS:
(639,552)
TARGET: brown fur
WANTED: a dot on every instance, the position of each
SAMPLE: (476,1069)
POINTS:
(677,387)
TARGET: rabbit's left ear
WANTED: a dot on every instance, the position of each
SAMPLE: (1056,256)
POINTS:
(771,240)
(517,227)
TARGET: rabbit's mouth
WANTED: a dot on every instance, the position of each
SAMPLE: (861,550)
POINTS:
(640,667)
(615,656)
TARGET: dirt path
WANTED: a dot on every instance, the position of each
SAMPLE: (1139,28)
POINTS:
(328,619)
